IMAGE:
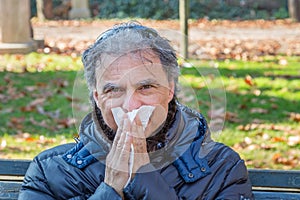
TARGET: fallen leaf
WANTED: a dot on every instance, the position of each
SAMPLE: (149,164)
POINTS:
(33,105)
(30,139)
(295,116)
(41,84)
(283,61)
(257,121)
(7,79)
(278,139)
(232,117)
(276,156)
(257,92)
(252,147)
(27,109)
(60,83)
(7,110)
(293,140)
(36,102)
(13,93)
(22,136)
(290,160)
(16,122)
(54,115)
(248,140)
(266,146)
(3,144)
(66,123)
(258,110)
(44,141)
(274,106)
(19,57)
(42,123)
(4,98)
(248,80)
(255,126)
(243,106)
(31,88)
(266,136)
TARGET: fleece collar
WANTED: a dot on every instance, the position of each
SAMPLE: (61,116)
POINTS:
(189,164)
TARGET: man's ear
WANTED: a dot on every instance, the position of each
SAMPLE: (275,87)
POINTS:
(95,96)
(171,90)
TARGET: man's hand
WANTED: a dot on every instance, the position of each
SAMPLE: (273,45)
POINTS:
(141,156)
(117,161)
(116,172)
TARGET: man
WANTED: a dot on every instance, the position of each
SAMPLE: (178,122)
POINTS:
(139,142)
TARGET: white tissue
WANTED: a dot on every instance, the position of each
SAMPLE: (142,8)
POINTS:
(144,112)
(130,165)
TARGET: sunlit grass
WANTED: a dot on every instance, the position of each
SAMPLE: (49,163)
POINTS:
(35,62)
(26,146)
(261,93)
(266,101)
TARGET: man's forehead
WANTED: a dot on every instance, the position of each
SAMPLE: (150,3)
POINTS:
(133,69)
(140,56)
(130,72)
(113,65)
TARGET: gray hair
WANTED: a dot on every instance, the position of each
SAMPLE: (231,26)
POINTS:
(125,38)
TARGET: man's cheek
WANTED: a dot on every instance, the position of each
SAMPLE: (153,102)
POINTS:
(109,120)
(158,117)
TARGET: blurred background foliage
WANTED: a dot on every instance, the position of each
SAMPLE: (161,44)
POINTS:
(168,9)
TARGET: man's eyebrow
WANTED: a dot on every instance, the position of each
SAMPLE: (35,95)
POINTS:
(147,82)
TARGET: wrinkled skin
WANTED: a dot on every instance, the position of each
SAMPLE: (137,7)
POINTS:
(118,157)
(131,81)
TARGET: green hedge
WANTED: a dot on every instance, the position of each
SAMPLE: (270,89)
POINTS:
(155,9)
(168,9)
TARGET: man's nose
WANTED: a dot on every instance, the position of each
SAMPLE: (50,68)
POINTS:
(131,102)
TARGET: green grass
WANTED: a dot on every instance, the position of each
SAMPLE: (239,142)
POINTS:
(266,104)
(25,130)
(258,121)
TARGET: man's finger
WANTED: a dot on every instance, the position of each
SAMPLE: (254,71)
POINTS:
(139,139)
(126,125)
(118,133)
(138,121)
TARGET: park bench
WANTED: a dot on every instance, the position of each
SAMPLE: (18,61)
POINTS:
(267,184)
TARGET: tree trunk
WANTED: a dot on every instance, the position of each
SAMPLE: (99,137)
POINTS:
(48,9)
(183,15)
(40,10)
(294,9)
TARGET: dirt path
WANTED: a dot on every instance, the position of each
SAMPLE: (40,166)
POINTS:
(208,39)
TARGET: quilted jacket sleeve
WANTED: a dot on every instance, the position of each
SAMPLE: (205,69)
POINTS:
(35,186)
(237,185)
(149,185)
(105,192)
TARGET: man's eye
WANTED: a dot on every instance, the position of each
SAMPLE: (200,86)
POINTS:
(145,87)
(113,90)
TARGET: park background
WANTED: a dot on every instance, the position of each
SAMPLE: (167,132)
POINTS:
(253,45)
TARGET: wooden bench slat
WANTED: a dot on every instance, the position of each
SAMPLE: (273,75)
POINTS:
(260,195)
(14,167)
(275,178)
(9,190)
(267,184)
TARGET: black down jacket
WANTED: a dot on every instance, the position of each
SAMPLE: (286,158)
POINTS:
(191,166)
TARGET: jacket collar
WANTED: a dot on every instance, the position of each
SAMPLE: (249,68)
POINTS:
(189,165)
(184,140)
